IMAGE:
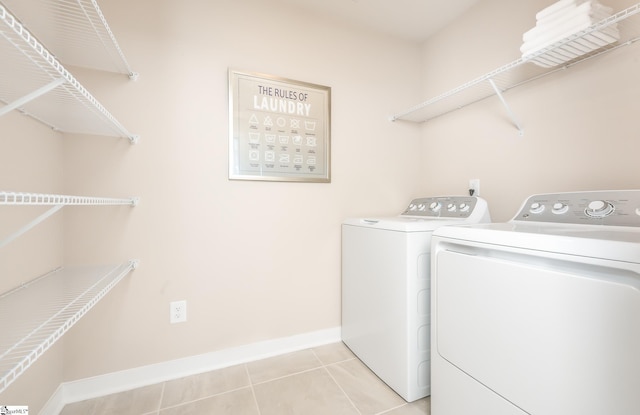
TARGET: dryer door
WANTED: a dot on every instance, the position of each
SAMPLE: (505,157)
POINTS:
(553,335)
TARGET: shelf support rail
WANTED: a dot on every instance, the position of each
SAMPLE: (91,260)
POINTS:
(57,201)
(30,97)
(514,120)
(30,225)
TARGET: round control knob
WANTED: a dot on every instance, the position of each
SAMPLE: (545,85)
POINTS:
(412,207)
(599,209)
(536,207)
(451,207)
(464,207)
(421,207)
(435,206)
(559,208)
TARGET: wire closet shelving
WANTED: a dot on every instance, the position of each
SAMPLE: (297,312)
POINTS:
(35,315)
(517,73)
(32,78)
(33,81)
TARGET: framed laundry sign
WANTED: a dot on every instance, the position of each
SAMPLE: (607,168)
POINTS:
(279,129)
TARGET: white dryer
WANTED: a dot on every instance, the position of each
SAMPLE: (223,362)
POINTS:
(385,288)
(540,315)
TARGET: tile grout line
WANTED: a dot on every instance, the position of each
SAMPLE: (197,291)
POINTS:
(164,385)
(324,366)
(206,397)
(319,366)
(253,391)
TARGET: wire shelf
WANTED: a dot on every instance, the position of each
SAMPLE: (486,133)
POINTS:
(42,199)
(516,73)
(76,31)
(35,315)
(34,82)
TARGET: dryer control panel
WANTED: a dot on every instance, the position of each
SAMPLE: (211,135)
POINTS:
(616,208)
(443,207)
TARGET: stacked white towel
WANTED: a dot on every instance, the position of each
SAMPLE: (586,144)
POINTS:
(562,20)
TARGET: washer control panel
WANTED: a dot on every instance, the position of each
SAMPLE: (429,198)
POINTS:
(442,207)
(617,208)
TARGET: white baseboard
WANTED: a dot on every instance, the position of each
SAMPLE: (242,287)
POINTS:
(115,382)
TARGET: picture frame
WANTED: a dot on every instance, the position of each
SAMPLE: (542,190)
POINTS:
(279,129)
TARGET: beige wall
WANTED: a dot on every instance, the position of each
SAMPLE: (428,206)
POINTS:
(580,125)
(254,260)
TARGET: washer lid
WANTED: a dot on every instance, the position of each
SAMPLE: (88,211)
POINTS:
(403,223)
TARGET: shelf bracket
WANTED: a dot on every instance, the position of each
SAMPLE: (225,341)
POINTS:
(30,225)
(30,97)
(514,120)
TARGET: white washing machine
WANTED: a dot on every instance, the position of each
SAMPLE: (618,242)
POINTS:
(385,288)
(540,315)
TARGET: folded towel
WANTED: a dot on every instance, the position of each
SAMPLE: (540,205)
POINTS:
(594,10)
(540,39)
(561,21)
(528,48)
(556,8)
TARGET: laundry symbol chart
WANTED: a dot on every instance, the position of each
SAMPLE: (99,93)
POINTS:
(277,142)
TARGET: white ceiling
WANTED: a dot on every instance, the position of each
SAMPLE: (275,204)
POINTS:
(409,19)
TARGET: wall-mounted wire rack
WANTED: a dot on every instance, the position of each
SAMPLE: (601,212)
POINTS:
(76,32)
(57,202)
(36,314)
(516,73)
(34,82)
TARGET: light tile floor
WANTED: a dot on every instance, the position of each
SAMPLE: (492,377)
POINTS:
(327,380)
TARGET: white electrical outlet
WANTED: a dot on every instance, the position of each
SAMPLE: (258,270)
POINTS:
(178,311)
(474,184)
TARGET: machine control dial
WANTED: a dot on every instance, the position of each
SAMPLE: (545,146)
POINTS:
(444,207)
(559,208)
(536,207)
(602,208)
(599,209)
